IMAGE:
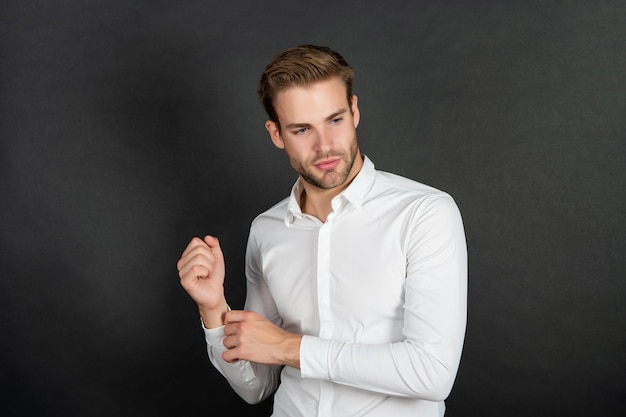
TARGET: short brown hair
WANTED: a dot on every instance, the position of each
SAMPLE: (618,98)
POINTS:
(301,65)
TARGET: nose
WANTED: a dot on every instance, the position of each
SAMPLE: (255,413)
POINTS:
(324,141)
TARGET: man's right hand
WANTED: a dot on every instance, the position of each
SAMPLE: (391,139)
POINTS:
(201,271)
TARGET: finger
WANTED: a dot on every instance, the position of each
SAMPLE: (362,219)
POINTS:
(195,247)
(214,244)
(237,316)
(228,342)
(232,316)
(199,254)
(230,355)
(212,241)
(232,328)
(194,272)
(197,265)
(193,244)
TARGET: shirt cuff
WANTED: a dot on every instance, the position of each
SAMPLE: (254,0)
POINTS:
(214,337)
(314,357)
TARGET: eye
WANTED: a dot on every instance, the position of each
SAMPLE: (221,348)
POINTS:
(336,120)
(300,131)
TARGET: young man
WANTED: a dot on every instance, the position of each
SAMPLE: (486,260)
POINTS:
(356,283)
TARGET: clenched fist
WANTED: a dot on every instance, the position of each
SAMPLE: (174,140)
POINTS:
(201,271)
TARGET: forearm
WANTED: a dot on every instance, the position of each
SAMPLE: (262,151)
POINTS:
(400,369)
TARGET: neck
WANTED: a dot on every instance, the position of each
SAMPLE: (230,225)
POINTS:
(317,201)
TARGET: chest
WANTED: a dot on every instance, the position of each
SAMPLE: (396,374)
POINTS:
(344,277)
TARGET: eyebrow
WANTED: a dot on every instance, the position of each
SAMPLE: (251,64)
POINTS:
(328,118)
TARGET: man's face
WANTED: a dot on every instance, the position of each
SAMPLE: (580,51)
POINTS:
(318,132)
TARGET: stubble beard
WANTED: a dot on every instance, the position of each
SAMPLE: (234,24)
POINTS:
(330,179)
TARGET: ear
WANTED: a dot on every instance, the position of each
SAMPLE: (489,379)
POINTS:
(274,132)
(356,115)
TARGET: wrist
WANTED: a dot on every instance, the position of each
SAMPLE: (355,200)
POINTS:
(292,351)
(213,317)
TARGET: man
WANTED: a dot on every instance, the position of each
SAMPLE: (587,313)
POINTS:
(356,283)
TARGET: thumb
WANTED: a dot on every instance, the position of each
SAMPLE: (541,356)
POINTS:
(214,244)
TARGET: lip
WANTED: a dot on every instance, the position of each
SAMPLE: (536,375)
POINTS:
(327,164)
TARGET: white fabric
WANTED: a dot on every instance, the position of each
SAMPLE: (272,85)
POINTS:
(379,290)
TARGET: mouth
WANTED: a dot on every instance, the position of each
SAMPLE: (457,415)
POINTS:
(327,164)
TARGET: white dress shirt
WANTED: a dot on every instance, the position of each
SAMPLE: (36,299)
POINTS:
(379,292)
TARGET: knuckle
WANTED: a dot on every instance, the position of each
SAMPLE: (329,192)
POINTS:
(200,257)
(198,270)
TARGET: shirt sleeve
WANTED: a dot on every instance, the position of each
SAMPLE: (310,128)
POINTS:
(252,382)
(425,363)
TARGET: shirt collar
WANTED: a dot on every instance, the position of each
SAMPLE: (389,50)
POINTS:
(361,184)
(355,193)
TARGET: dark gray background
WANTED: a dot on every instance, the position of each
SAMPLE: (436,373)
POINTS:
(127,127)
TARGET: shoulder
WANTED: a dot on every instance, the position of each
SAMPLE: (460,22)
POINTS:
(276,213)
(412,200)
(394,185)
